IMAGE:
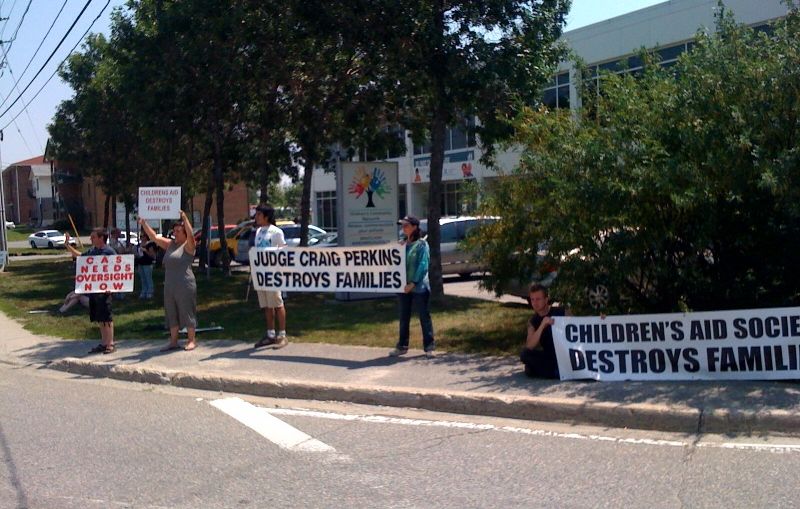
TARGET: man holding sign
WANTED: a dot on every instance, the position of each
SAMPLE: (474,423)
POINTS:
(99,303)
(271,301)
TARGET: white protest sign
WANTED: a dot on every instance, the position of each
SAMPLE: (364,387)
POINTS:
(373,269)
(104,273)
(755,344)
(160,202)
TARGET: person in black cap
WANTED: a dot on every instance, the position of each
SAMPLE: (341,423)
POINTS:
(417,289)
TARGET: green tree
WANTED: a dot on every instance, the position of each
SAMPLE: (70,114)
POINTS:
(452,60)
(674,189)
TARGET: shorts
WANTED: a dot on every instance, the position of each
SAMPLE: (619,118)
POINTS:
(100,307)
(269,299)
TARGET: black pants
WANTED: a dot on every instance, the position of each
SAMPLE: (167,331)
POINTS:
(539,364)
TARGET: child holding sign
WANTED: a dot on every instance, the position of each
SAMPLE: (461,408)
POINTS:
(99,303)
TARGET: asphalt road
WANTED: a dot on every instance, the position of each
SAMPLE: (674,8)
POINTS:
(67,442)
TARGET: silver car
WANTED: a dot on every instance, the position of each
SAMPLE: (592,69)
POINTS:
(317,237)
(453,230)
(48,238)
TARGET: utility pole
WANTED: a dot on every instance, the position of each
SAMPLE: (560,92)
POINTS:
(3,231)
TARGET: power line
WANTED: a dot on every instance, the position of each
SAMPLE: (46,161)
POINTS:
(48,59)
(21,20)
(3,30)
(44,38)
(59,65)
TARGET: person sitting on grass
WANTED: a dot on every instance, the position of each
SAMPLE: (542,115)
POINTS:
(71,299)
(99,303)
(539,353)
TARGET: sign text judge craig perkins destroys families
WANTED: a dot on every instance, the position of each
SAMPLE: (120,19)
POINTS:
(373,269)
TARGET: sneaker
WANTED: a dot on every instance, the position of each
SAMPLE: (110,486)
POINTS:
(265,340)
(280,342)
(397,352)
(430,354)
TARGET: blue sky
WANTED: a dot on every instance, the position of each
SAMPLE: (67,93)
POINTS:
(26,136)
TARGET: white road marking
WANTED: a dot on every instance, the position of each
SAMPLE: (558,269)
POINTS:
(380,419)
(270,427)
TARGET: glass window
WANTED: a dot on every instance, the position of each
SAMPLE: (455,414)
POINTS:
(609,66)
(563,78)
(455,201)
(563,97)
(671,53)
(550,98)
(458,137)
(401,201)
(326,210)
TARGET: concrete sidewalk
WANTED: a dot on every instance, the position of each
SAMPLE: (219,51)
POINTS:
(467,384)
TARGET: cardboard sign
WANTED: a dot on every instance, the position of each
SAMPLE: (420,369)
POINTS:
(373,269)
(160,202)
(104,273)
(755,344)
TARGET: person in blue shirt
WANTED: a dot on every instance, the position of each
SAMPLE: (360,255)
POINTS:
(417,289)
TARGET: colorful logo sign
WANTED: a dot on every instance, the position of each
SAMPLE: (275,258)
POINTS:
(364,182)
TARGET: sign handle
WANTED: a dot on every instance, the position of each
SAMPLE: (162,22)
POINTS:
(75,230)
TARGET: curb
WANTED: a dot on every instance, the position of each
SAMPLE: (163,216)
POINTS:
(637,416)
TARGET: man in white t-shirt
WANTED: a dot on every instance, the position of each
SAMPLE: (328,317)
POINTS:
(271,301)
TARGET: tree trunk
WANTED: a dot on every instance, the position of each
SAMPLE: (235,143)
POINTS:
(219,184)
(305,202)
(438,64)
(128,207)
(206,223)
(438,131)
(106,208)
(263,198)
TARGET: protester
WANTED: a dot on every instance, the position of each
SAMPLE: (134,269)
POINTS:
(417,289)
(180,287)
(99,303)
(271,301)
(539,353)
(145,256)
(73,298)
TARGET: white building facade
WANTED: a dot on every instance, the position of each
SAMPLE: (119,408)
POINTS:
(669,28)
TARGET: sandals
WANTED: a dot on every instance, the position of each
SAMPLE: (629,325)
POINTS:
(171,348)
(98,349)
(104,349)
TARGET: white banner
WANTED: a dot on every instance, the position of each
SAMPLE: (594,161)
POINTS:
(370,269)
(160,202)
(104,273)
(754,344)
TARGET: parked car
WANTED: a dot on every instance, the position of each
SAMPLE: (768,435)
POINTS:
(317,237)
(49,239)
(10,225)
(453,230)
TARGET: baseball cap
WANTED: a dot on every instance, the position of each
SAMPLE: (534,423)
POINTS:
(412,220)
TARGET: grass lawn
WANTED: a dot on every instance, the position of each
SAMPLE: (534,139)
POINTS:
(29,251)
(461,324)
(19,233)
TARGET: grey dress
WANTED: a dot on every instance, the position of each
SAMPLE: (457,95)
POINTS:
(180,288)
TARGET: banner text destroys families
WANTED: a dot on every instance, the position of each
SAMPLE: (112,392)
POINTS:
(722,345)
(373,269)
